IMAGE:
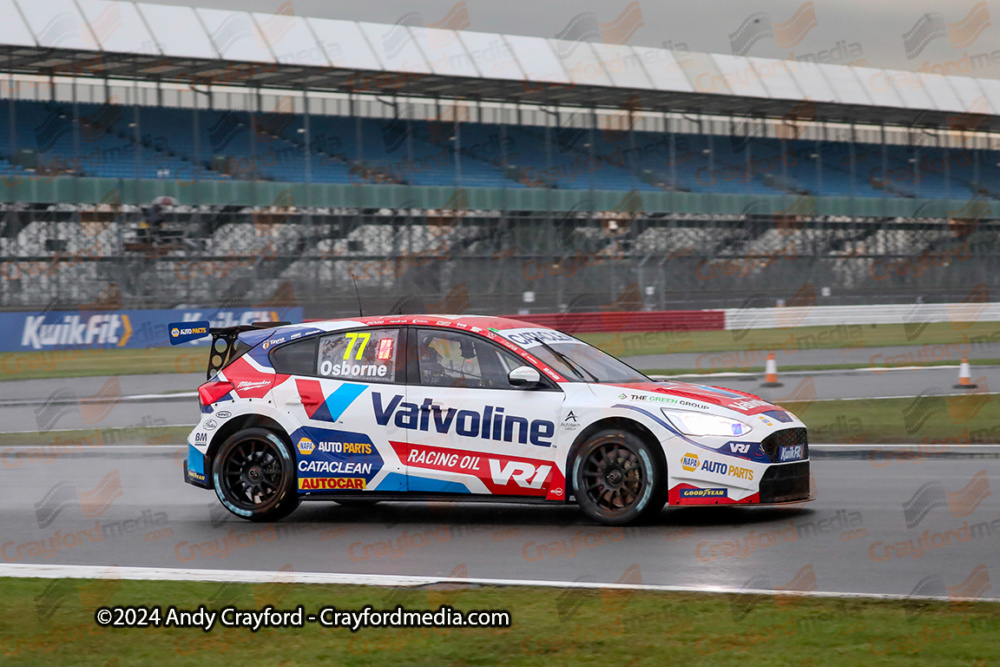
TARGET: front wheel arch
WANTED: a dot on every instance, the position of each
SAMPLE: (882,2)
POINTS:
(614,423)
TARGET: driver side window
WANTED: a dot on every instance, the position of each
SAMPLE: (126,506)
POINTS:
(454,359)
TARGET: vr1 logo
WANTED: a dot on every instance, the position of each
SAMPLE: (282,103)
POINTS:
(524,475)
(751,451)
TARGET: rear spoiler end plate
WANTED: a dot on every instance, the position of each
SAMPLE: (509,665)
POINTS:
(219,353)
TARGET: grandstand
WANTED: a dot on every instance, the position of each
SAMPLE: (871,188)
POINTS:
(299,152)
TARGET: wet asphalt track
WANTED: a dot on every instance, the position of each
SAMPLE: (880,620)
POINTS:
(853,539)
(58,404)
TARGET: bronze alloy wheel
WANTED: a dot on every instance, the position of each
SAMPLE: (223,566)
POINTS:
(618,478)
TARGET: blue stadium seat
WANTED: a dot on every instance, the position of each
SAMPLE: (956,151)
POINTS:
(235,145)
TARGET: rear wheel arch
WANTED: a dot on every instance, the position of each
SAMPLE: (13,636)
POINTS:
(614,423)
(239,424)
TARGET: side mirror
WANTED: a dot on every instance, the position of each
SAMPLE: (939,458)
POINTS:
(524,377)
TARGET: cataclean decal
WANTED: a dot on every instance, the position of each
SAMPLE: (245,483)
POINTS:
(491,424)
(336,467)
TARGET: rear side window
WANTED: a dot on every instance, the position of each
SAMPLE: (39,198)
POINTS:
(298,358)
(368,355)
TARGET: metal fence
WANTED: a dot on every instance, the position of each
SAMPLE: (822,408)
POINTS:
(484,262)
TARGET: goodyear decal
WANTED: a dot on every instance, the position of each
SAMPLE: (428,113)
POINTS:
(195,464)
(704,493)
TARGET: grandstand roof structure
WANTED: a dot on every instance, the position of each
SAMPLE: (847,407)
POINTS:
(135,40)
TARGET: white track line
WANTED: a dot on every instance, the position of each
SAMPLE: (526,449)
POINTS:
(113,428)
(877,398)
(262,576)
(820,371)
(131,398)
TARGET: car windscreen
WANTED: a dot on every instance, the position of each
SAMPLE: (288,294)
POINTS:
(572,358)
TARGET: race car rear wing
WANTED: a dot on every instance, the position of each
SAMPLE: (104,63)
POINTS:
(218,354)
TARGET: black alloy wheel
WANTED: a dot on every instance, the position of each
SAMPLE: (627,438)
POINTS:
(254,475)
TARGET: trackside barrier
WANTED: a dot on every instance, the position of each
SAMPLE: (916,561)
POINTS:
(738,319)
(110,329)
(662,320)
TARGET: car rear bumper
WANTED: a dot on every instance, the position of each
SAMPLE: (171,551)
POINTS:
(194,469)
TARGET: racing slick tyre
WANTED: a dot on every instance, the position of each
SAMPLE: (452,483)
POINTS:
(254,475)
(618,478)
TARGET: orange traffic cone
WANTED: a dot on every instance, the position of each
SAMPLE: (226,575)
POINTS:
(964,375)
(771,372)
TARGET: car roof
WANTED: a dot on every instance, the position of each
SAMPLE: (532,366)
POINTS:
(482,325)
(463,322)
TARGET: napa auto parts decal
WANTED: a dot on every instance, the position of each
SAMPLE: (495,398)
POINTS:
(83,329)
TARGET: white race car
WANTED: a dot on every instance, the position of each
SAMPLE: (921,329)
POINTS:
(435,407)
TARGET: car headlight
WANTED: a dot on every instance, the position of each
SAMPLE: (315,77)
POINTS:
(697,423)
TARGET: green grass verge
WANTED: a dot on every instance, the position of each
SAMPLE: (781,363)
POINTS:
(627,344)
(85,363)
(79,438)
(52,622)
(969,419)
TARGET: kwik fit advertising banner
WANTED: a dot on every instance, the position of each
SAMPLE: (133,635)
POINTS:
(55,330)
